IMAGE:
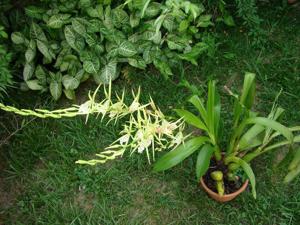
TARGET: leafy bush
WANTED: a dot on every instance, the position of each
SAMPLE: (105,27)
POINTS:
(69,41)
(247,10)
(5,58)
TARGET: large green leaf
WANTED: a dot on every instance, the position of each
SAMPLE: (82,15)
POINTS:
(247,139)
(70,36)
(17,38)
(58,20)
(43,48)
(107,74)
(169,23)
(119,17)
(28,71)
(127,49)
(36,32)
(177,155)
(152,35)
(91,39)
(153,10)
(91,67)
(55,89)
(191,119)
(134,20)
(203,160)
(70,82)
(78,26)
(31,51)
(34,85)
(40,74)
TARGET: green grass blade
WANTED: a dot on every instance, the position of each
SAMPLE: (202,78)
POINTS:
(191,119)
(203,160)
(177,155)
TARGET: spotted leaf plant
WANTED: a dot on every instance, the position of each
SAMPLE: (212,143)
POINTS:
(66,42)
(146,130)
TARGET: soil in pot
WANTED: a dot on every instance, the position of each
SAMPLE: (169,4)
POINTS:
(230,186)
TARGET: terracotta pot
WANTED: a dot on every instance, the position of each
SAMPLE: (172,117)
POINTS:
(226,197)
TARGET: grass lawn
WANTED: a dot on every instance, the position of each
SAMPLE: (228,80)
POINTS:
(41,184)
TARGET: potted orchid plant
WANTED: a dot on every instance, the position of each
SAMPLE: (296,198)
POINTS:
(225,170)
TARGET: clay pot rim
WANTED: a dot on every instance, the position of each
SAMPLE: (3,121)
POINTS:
(231,195)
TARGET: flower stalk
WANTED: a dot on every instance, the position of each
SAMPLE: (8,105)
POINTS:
(147,129)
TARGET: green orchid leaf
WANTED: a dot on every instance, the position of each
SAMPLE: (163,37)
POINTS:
(203,160)
(191,119)
(198,103)
(177,155)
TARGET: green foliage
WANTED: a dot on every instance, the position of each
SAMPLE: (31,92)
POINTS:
(5,59)
(247,10)
(251,135)
(77,40)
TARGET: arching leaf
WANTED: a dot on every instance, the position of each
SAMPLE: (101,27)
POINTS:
(203,160)
(177,155)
